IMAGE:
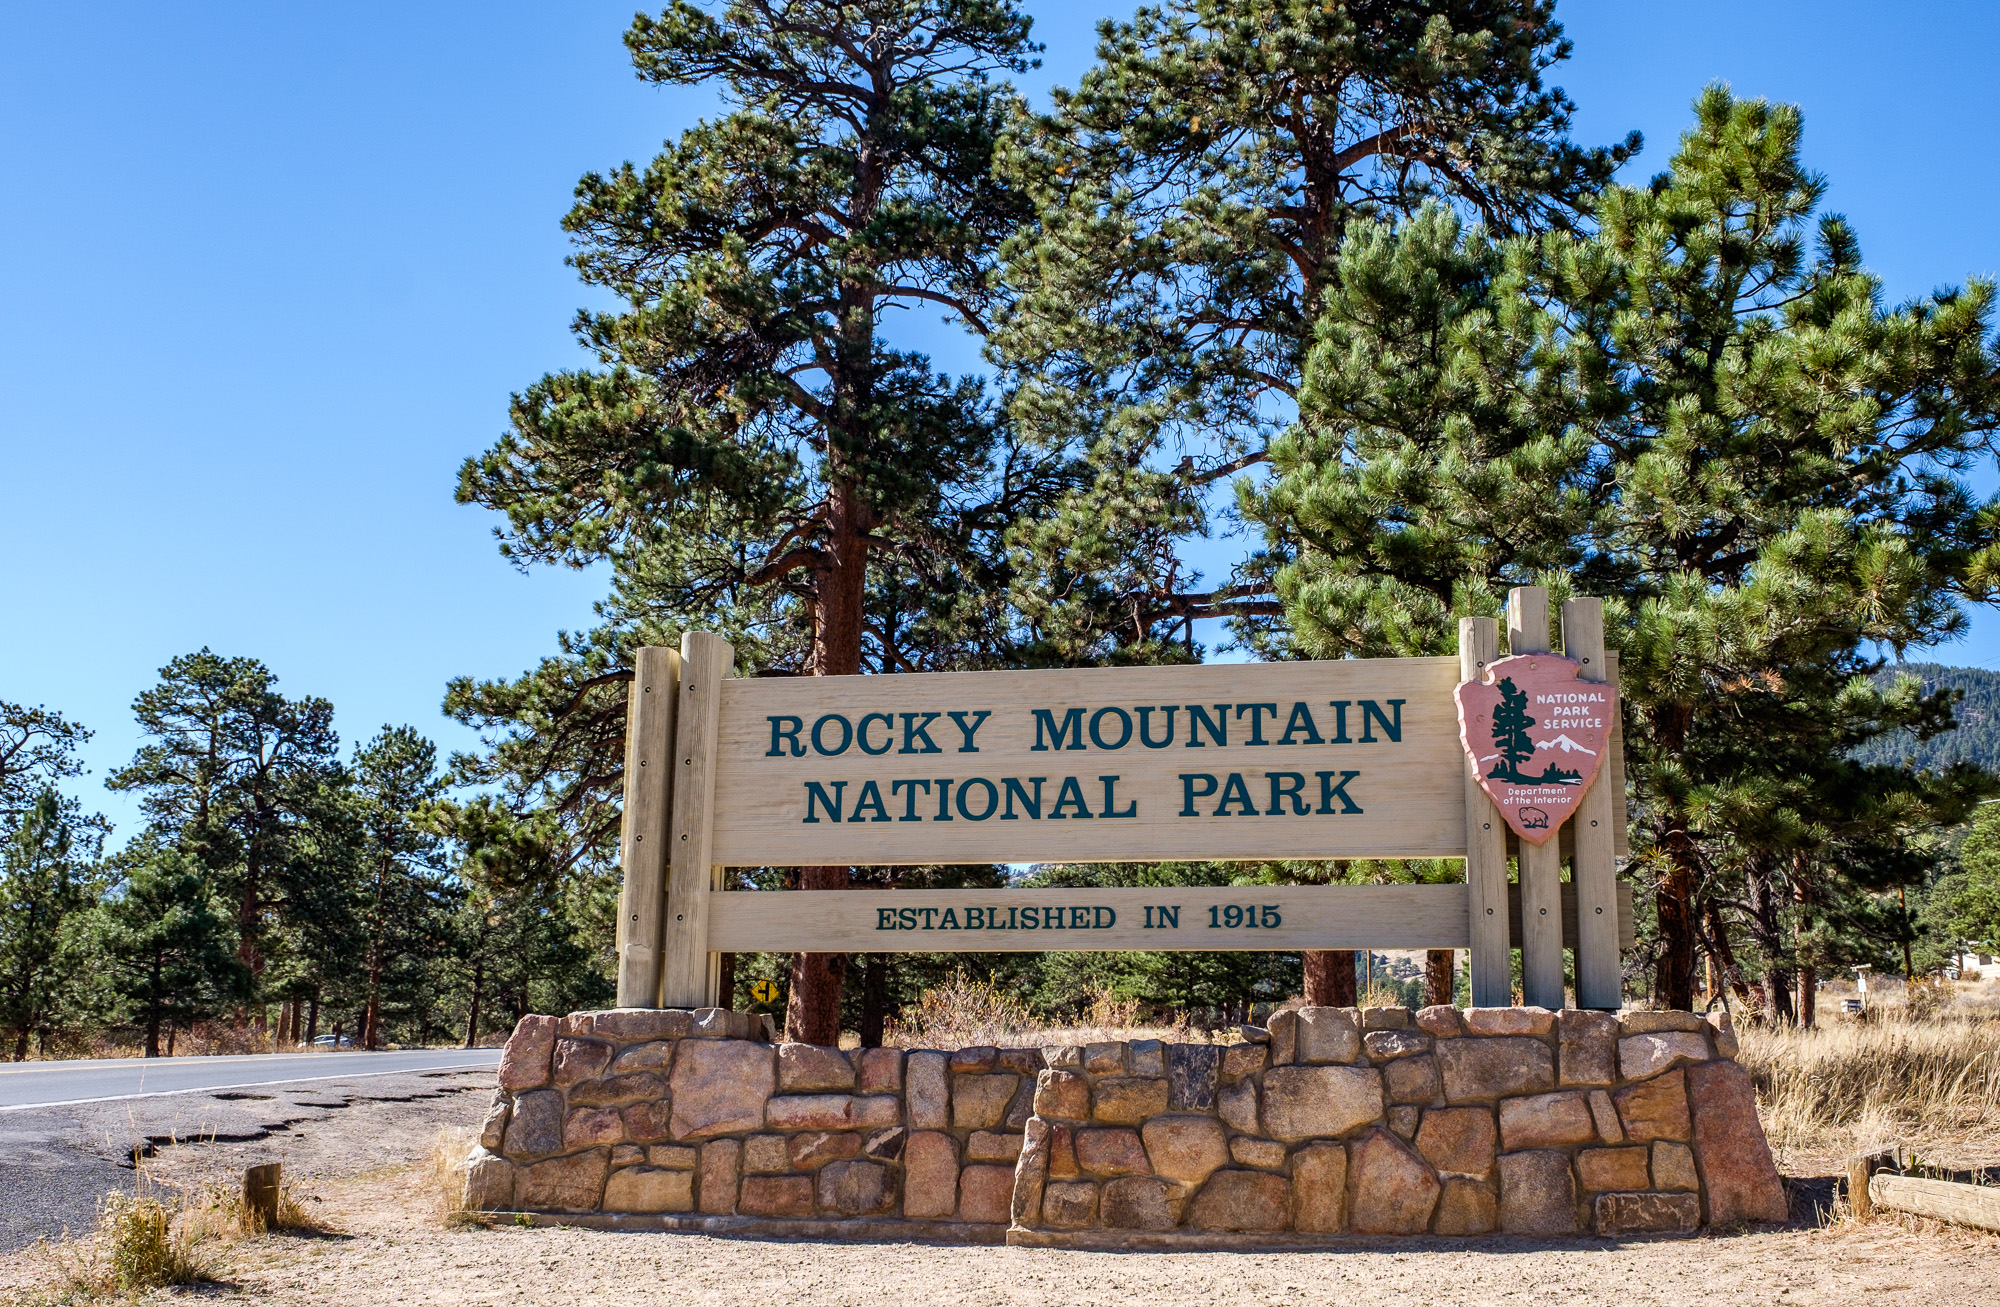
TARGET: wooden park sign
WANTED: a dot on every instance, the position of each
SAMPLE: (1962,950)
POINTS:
(1366,758)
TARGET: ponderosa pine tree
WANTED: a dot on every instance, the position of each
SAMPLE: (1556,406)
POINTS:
(168,956)
(754,458)
(400,890)
(246,781)
(37,749)
(1193,195)
(48,885)
(1695,412)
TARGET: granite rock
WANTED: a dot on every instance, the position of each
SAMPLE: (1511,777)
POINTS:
(720,1087)
(1105,1151)
(493,1130)
(1385,1018)
(1059,1095)
(648,1122)
(1264,1154)
(1459,1141)
(831,1112)
(1586,1049)
(880,1070)
(1560,1120)
(1069,1204)
(928,1091)
(817,1147)
(968,1061)
(767,1155)
(1127,1100)
(986,1194)
(1673,1167)
(1239,1060)
(655,1056)
(1440,1021)
(1242,1200)
(1237,1106)
(1388,1045)
(1620,1214)
(650,1086)
(640,1023)
(1641,1057)
(979,1101)
(720,1163)
(808,1068)
(776,1195)
(646,1189)
(586,1127)
(1182,1148)
(1192,1074)
(930,1176)
(535,1129)
(1413,1080)
(563,1184)
(489,1182)
(1466,1207)
(1656,1109)
(1730,1147)
(524,1063)
(1303,1102)
(1605,1114)
(1327,1035)
(1537,1193)
(1147,1057)
(1390,1189)
(855,1188)
(1479,1070)
(1535,1021)
(1140,1202)
(1319,1188)
(579,1060)
(1608,1170)
(1652,1023)
(993,1146)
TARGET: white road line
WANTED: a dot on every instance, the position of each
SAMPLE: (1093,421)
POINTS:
(248,1084)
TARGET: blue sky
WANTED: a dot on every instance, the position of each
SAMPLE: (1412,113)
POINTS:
(269,273)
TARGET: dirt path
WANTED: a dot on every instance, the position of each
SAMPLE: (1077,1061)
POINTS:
(390,1248)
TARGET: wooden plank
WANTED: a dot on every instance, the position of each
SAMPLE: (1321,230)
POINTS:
(1541,864)
(1943,1200)
(1485,846)
(1309,916)
(1621,843)
(686,973)
(1020,920)
(1623,898)
(893,754)
(643,837)
(1599,969)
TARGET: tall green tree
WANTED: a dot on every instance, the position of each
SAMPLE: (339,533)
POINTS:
(754,457)
(1703,411)
(37,749)
(47,888)
(1193,197)
(244,779)
(401,885)
(168,955)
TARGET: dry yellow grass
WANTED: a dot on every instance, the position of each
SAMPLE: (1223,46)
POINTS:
(967,1013)
(1931,1082)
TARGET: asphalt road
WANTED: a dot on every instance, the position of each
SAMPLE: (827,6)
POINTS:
(25,1085)
(69,1131)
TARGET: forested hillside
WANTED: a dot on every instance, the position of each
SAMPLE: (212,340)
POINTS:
(1977,737)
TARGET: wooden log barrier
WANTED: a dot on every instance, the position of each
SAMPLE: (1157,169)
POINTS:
(1944,1200)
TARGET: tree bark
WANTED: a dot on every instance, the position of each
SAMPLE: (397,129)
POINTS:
(874,1000)
(312,1018)
(1673,903)
(725,981)
(1330,977)
(1439,977)
(812,1009)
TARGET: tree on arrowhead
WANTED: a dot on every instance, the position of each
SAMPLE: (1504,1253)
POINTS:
(1511,724)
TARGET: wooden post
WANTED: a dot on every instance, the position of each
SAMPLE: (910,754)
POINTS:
(1598,969)
(688,973)
(642,845)
(1485,845)
(260,1197)
(1857,1188)
(1541,864)
(1942,1200)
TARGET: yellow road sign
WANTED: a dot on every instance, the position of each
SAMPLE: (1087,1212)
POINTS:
(764,992)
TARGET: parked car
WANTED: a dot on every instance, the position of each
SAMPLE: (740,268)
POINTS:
(333,1041)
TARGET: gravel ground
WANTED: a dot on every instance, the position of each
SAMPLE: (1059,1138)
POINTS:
(387,1246)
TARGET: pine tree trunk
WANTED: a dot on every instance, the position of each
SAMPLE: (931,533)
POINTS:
(472,1017)
(725,981)
(1440,978)
(1330,977)
(1673,979)
(312,1018)
(874,1000)
(1808,996)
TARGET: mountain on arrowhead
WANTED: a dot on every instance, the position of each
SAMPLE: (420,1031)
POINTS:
(1568,745)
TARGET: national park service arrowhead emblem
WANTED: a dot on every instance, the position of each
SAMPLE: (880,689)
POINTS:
(1536,735)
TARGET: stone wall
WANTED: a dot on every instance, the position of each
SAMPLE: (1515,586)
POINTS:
(1381,1121)
(1377,1121)
(677,1112)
